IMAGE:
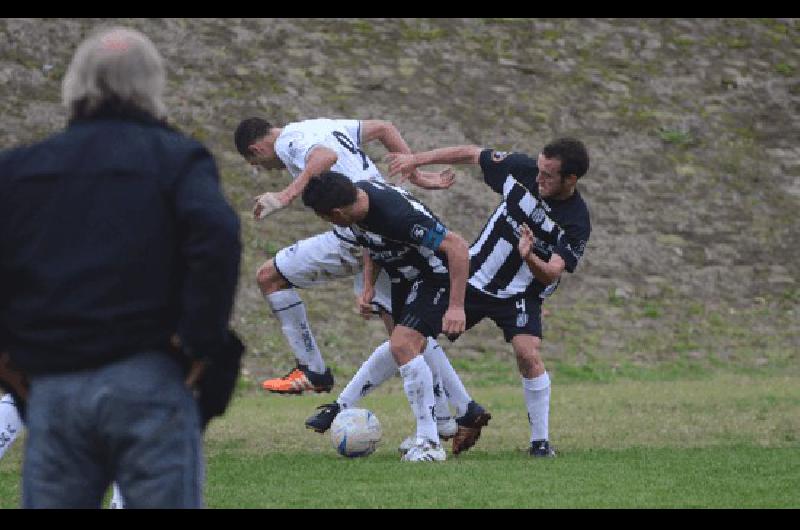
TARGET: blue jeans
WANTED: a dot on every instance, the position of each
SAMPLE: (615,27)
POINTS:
(132,421)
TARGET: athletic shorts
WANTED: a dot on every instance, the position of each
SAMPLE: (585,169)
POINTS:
(515,316)
(329,256)
(420,305)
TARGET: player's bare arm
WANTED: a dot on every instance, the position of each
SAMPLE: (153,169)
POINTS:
(390,137)
(406,162)
(456,249)
(364,301)
(319,159)
(545,271)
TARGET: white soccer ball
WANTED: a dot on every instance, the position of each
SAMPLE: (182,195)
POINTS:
(355,432)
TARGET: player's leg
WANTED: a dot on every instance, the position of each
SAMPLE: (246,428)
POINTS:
(439,365)
(307,263)
(10,423)
(290,310)
(447,389)
(379,367)
(116,498)
(521,322)
(407,345)
(433,355)
(420,318)
(536,390)
(471,417)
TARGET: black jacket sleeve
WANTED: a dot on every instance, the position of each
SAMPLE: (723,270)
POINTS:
(210,248)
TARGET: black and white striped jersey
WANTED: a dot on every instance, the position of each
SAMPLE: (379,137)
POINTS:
(401,234)
(563,227)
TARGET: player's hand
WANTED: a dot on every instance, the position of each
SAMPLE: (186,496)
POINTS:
(526,240)
(364,302)
(269,203)
(454,322)
(402,163)
(430,180)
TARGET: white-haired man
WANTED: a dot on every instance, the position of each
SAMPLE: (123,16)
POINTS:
(116,246)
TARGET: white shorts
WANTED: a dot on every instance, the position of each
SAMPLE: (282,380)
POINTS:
(329,256)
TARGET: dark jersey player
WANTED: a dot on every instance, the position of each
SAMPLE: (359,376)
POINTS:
(428,266)
(539,230)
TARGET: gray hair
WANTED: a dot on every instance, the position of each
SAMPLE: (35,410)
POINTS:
(115,64)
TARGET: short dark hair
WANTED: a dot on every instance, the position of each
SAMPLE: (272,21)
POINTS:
(329,190)
(249,132)
(572,153)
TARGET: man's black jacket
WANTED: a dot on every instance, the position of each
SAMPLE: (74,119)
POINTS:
(114,235)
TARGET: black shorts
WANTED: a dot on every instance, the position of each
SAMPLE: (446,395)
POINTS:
(515,316)
(420,305)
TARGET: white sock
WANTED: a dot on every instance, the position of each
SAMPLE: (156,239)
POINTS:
(454,389)
(537,401)
(440,408)
(10,423)
(379,367)
(418,384)
(116,498)
(290,310)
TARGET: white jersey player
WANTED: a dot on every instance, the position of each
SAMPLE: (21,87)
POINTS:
(306,149)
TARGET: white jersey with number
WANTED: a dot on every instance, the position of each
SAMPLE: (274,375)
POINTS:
(343,137)
(333,254)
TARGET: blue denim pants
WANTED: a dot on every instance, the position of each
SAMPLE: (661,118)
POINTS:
(132,421)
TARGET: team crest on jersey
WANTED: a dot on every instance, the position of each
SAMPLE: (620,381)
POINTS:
(498,156)
(418,232)
(537,215)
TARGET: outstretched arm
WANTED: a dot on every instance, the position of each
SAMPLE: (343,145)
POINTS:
(461,154)
(390,137)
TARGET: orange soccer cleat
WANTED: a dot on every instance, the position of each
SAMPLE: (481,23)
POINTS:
(300,380)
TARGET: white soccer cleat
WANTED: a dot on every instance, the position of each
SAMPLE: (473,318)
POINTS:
(425,451)
(407,444)
(447,429)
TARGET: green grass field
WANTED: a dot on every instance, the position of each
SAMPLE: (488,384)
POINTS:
(721,441)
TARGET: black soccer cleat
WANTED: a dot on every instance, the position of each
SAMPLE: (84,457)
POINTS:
(469,427)
(321,421)
(541,449)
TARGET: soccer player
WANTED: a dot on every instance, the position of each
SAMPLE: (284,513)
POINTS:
(539,230)
(428,266)
(10,423)
(305,149)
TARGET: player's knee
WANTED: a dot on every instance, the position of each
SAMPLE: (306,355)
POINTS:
(529,359)
(404,346)
(268,278)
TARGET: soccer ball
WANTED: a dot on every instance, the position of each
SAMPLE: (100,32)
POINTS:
(355,432)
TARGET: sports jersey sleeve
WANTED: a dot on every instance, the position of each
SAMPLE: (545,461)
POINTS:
(293,147)
(572,243)
(401,221)
(498,165)
(416,228)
